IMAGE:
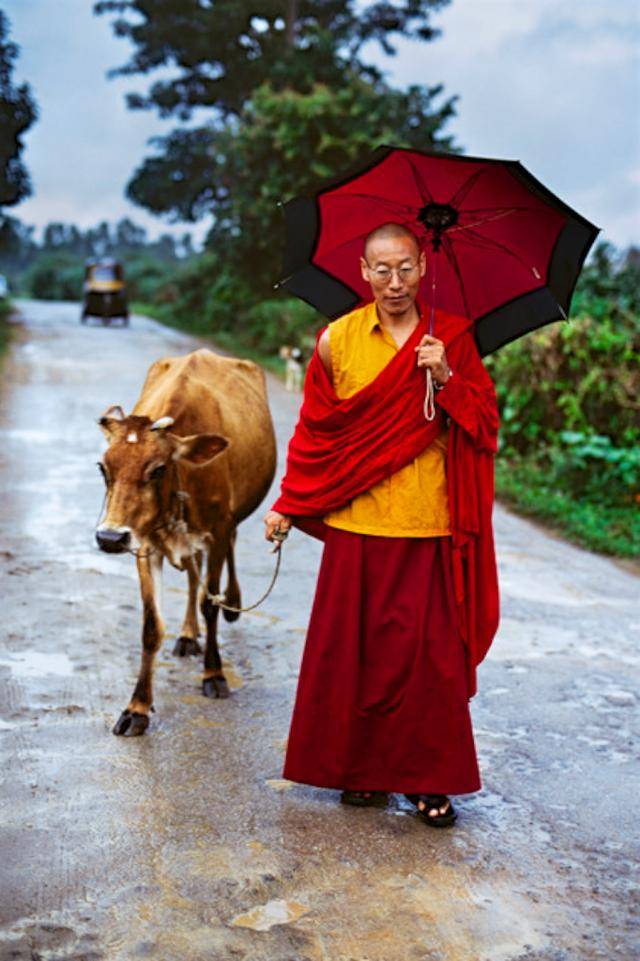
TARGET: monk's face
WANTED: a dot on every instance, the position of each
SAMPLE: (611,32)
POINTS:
(393,266)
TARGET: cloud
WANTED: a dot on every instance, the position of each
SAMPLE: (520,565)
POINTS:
(552,85)
(597,34)
(86,144)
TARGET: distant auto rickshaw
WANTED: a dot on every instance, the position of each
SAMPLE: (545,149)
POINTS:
(104,293)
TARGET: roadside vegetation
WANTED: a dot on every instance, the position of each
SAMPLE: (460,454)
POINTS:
(5,326)
(53,267)
(18,112)
(570,412)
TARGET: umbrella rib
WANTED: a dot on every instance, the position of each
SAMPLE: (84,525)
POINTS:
(422,239)
(520,209)
(465,187)
(449,251)
(345,243)
(423,190)
(485,220)
(384,201)
(477,240)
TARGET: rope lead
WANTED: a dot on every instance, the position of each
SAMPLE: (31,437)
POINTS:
(429,406)
(218,599)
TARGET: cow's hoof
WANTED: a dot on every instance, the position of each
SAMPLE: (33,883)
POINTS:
(185,646)
(233,600)
(131,724)
(231,615)
(215,687)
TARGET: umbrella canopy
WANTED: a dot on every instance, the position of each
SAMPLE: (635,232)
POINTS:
(501,248)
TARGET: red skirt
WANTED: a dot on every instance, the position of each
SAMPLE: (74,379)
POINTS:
(382,700)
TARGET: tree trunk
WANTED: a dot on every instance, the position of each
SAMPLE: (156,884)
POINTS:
(292,16)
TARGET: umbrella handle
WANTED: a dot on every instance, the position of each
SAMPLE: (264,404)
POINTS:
(429,406)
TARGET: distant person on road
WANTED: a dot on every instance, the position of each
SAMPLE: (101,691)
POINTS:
(406,602)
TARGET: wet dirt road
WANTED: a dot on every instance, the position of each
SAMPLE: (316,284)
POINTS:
(185,844)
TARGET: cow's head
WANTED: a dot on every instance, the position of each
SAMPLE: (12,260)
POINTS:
(139,470)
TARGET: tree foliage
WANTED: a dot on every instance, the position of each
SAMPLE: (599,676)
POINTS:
(17,113)
(283,142)
(223,50)
(291,99)
(569,393)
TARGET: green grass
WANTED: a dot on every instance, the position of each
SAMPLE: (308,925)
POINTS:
(6,330)
(608,528)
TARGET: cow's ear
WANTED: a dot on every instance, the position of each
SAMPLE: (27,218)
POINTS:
(112,418)
(198,449)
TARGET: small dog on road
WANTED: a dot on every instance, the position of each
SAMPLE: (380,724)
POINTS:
(294,369)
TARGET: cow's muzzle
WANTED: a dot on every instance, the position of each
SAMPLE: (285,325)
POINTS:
(113,542)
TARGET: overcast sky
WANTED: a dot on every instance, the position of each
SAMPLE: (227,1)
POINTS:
(552,83)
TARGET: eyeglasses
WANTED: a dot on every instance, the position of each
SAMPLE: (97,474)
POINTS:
(382,275)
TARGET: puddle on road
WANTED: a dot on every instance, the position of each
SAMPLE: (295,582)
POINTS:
(35,664)
(265,916)
(97,562)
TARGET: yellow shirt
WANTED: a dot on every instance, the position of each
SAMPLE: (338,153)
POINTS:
(413,501)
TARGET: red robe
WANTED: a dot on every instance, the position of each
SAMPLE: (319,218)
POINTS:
(341,448)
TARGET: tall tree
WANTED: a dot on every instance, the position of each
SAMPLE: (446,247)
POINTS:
(222,50)
(17,113)
(290,96)
(283,142)
(226,50)
(129,236)
(17,246)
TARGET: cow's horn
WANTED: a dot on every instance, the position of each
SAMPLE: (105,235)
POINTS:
(115,411)
(161,423)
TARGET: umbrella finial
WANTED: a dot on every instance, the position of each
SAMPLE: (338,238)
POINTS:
(437,218)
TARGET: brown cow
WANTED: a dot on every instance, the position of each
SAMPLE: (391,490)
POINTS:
(180,493)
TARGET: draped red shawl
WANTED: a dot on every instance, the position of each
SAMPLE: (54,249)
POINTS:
(342,447)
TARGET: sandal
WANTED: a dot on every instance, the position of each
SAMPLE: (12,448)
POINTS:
(433,802)
(365,799)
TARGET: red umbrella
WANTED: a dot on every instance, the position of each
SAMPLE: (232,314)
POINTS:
(502,249)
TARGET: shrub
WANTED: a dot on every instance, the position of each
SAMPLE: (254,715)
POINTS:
(582,376)
(55,277)
(280,321)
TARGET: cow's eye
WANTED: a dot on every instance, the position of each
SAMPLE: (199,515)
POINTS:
(103,471)
(157,472)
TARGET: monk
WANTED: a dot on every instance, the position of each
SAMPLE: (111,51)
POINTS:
(406,602)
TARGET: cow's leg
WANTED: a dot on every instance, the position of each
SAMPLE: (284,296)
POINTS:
(232,592)
(134,719)
(187,642)
(214,683)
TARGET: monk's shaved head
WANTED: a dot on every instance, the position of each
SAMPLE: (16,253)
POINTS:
(393,265)
(390,231)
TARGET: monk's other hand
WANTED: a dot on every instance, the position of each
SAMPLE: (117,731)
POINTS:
(431,353)
(274,521)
